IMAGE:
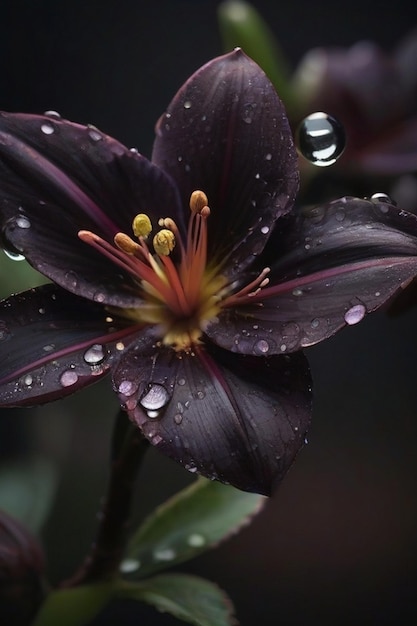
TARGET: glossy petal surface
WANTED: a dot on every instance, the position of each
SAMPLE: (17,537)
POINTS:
(334,264)
(226,133)
(53,343)
(237,419)
(57,178)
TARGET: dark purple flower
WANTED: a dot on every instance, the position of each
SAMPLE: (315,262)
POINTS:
(374,95)
(200,318)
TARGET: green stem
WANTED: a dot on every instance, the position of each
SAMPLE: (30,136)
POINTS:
(106,552)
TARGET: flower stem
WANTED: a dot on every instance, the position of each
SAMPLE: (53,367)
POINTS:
(106,552)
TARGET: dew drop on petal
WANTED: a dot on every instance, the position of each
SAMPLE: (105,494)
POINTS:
(265,230)
(28,380)
(14,256)
(22,221)
(178,418)
(261,347)
(297,292)
(320,139)
(68,378)
(95,354)
(187,104)
(127,388)
(99,296)
(156,397)
(47,129)
(94,133)
(53,114)
(181,381)
(355,314)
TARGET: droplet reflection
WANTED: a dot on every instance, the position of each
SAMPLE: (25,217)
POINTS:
(320,139)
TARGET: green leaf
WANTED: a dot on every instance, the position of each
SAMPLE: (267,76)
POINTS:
(192,599)
(189,523)
(74,607)
(27,490)
(242,26)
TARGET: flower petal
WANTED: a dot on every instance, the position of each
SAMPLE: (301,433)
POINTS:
(226,133)
(53,343)
(240,420)
(57,178)
(336,263)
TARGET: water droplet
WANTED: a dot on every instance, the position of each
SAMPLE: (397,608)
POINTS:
(355,314)
(68,378)
(320,139)
(181,381)
(22,221)
(283,347)
(187,104)
(154,399)
(201,395)
(99,297)
(47,129)
(268,156)
(315,323)
(164,554)
(94,133)
(120,346)
(261,347)
(127,388)
(53,114)
(381,197)
(196,540)
(28,380)
(340,215)
(41,311)
(14,256)
(49,347)
(134,150)
(127,566)
(265,230)
(248,113)
(95,354)
(297,292)
(178,418)
(71,279)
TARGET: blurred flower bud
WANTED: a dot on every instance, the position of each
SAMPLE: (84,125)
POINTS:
(21,569)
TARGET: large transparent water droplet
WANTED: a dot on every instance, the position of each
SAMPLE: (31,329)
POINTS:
(95,354)
(155,398)
(14,256)
(320,139)
(355,314)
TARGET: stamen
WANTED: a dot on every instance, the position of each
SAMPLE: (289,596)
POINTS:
(141,225)
(164,242)
(126,244)
(198,201)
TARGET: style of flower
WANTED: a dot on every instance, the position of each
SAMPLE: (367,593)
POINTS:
(374,96)
(190,276)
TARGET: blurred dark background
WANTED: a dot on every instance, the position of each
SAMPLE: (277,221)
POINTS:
(337,543)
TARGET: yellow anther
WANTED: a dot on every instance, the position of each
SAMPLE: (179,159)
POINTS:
(126,244)
(141,225)
(164,242)
(198,201)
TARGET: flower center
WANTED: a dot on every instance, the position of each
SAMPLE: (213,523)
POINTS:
(180,297)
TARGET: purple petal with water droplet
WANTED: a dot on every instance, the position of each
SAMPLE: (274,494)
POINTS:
(226,132)
(335,263)
(240,420)
(52,343)
(61,178)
